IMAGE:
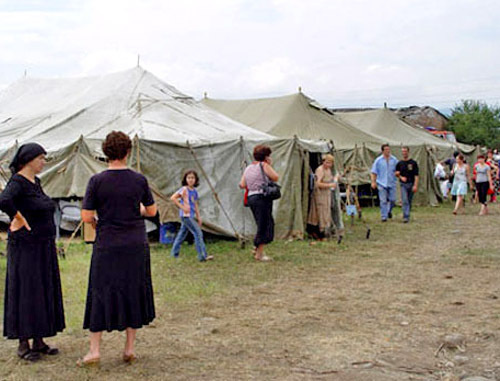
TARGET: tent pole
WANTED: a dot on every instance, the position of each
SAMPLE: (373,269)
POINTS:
(216,196)
(137,154)
(243,167)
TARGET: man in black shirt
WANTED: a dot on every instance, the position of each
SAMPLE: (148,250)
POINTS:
(407,172)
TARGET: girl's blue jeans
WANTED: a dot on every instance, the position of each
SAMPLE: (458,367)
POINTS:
(189,224)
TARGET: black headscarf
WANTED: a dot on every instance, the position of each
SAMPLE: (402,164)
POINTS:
(24,155)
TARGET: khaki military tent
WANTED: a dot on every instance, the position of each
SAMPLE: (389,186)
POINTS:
(171,133)
(294,115)
(388,127)
(299,115)
(356,136)
(425,148)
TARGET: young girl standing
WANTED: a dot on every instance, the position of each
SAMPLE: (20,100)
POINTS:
(186,199)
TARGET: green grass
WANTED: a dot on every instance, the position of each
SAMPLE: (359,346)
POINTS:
(185,280)
(360,282)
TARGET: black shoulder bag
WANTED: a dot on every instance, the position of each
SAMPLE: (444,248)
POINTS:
(270,189)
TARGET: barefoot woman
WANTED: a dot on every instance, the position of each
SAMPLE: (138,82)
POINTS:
(120,293)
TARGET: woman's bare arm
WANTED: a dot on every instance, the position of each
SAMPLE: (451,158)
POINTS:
(270,172)
(243,183)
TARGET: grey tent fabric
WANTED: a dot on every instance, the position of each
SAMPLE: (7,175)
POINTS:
(294,115)
(221,166)
(389,128)
(356,136)
(56,112)
(171,133)
(425,148)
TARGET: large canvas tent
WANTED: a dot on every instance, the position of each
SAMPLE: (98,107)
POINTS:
(388,127)
(357,136)
(294,115)
(299,115)
(171,133)
(426,148)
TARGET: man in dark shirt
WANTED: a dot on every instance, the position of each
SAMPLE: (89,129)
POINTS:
(407,172)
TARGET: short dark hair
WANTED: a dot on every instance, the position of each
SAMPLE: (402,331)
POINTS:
(185,175)
(117,145)
(261,151)
(481,157)
(461,157)
(406,148)
(383,146)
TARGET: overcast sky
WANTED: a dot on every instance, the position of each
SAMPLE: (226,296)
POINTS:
(342,52)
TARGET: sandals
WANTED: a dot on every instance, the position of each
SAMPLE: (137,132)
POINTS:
(81,363)
(29,355)
(129,359)
(207,258)
(46,350)
(264,258)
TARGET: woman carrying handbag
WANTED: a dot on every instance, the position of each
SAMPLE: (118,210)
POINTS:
(257,178)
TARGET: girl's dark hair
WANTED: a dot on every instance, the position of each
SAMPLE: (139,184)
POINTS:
(261,151)
(185,175)
(461,157)
(117,145)
(481,157)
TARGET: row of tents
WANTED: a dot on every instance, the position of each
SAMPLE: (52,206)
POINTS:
(173,132)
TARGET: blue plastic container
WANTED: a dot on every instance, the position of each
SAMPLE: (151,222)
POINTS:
(167,233)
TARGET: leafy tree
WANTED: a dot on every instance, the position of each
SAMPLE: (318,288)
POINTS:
(474,122)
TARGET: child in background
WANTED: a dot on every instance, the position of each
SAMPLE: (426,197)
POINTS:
(186,199)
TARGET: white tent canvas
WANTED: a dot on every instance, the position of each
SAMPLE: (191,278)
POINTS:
(171,133)
(56,112)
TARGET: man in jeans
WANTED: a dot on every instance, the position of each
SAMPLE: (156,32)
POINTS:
(384,179)
(407,171)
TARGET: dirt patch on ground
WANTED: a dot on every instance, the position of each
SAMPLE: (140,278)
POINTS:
(377,310)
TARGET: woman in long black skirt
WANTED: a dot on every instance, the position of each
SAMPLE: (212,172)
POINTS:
(33,307)
(120,293)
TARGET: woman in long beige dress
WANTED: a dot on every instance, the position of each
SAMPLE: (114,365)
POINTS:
(320,215)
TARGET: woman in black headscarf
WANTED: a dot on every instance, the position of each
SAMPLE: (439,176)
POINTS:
(33,306)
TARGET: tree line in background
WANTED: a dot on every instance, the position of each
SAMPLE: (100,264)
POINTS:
(477,123)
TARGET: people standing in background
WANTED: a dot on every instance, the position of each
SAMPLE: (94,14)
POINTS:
(442,177)
(320,214)
(262,207)
(407,172)
(461,177)
(383,178)
(494,174)
(450,162)
(484,182)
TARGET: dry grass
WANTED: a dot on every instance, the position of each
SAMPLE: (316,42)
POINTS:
(372,309)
